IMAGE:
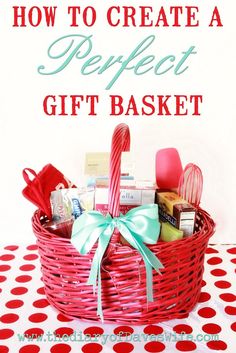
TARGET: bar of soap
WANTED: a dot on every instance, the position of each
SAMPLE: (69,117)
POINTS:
(170,233)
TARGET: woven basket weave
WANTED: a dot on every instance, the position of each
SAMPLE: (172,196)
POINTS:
(176,290)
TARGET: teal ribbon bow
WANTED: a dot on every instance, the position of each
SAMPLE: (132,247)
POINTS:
(138,226)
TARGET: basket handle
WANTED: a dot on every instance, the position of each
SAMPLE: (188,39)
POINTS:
(120,143)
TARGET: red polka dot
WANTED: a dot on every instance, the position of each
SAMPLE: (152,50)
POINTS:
(63,318)
(41,303)
(228,297)
(231,250)
(211,328)
(11,247)
(222,284)
(206,312)
(218,272)
(6,333)
(92,347)
(93,330)
(186,346)
(153,330)
(211,250)
(4,268)
(30,257)
(34,332)
(233,261)
(233,326)
(123,330)
(38,317)
(230,310)
(4,349)
(154,346)
(214,261)
(7,257)
(32,247)
(2,278)
(13,304)
(203,283)
(204,297)
(182,328)
(59,332)
(30,348)
(121,347)
(23,278)
(60,348)
(28,267)
(19,290)
(217,345)
(9,318)
(41,290)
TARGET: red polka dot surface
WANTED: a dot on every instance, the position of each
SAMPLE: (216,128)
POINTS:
(60,348)
(92,347)
(11,247)
(30,348)
(153,330)
(228,297)
(186,346)
(27,311)
(13,304)
(222,284)
(210,250)
(155,347)
(32,247)
(214,260)
(232,250)
(93,331)
(218,272)
(30,257)
(34,332)
(19,290)
(27,267)
(122,347)
(40,303)
(183,328)
(4,268)
(217,345)
(9,318)
(123,330)
(38,317)
(6,333)
(204,297)
(211,328)
(23,278)
(206,312)
(7,257)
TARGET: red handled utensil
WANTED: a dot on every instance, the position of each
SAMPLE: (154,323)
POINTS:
(191,184)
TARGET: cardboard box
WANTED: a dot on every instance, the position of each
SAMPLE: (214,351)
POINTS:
(177,211)
(130,197)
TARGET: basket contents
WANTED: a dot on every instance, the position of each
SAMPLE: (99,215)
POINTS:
(177,211)
(122,251)
(67,203)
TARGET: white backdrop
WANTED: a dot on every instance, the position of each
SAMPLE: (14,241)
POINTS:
(28,138)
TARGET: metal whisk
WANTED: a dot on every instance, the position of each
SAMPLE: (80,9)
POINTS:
(191,184)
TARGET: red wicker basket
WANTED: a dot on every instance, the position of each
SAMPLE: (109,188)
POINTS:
(175,291)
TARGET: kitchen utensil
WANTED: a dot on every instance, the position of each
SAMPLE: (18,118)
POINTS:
(168,168)
(191,184)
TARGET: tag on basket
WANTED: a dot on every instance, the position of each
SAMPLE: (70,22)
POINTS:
(138,226)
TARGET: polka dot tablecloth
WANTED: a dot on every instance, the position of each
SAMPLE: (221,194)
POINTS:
(28,324)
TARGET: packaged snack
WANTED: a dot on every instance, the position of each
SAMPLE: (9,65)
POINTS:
(169,232)
(177,211)
(67,203)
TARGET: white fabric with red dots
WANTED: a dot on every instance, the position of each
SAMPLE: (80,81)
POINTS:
(28,324)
